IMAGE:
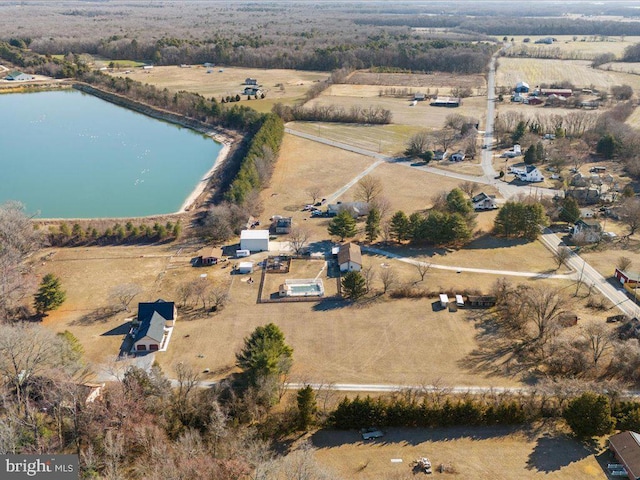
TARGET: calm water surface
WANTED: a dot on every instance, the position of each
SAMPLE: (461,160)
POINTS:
(66,154)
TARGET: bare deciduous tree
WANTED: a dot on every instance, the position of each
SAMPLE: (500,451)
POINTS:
(630,214)
(314,192)
(561,255)
(470,188)
(383,205)
(423,269)
(122,295)
(623,263)
(298,238)
(388,278)
(599,338)
(443,138)
(368,189)
(369,274)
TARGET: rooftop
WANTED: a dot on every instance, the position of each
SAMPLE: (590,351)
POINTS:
(254,235)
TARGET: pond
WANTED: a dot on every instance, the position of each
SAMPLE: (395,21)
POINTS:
(66,154)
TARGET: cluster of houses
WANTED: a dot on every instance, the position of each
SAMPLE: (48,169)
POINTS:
(554,97)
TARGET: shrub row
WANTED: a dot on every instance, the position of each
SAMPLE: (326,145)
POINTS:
(63,235)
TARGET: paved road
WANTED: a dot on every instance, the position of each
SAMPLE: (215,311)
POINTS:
(592,278)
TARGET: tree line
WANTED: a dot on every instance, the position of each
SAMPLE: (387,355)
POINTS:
(117,234)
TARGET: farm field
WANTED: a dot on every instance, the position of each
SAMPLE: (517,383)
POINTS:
(585,47)
(535,71)
(230,82)
(417,82)
(474,452)
(423,115)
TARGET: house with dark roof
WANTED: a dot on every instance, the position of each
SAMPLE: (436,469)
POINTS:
(522,87)
(153,326)
(282,225)
(626,448)
(587,230)
(16,76)
(350,257)
(482,201)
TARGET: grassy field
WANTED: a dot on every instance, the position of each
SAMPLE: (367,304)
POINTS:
(536,71)
(417,82)
(583,48)
(285,86)
(483,453)
(422,115)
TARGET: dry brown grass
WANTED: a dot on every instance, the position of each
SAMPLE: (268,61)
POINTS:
(419,82)
(483,453)
(423,115)
(230,82)
(536,71)
(585,47)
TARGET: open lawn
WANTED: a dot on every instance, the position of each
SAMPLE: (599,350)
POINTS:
(583,48)
(535,71)
(285,86)
(473,452)
(422,114)
(417,82)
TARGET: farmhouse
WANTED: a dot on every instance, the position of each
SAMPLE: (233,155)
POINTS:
(529,174)
(450,102)
(626,448)
(17,76)
(457,157)
(254,240)
(282,225)
(560,92)
(357,209)
(482,201)
(251,81)
(587,230)
(522,87)
(350,257)
(252,91)
(153,326)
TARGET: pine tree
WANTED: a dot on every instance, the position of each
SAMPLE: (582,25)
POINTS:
(569,210)
(342,225)
(354,285)
(50,294)
(264,354)
(307,407)
(400,226)
(372,227)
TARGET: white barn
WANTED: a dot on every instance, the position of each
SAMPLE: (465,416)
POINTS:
(350,257)
(254,240)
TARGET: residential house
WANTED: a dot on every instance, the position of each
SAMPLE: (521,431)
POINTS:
(529,173)
(16,76)
(626,448)
(450,102)
(587,213)
(587,230)
(439,155)
(482,201)
(522,87)
(457,157)
(282,225)
(586,196)
(251,81)
(153,326)
(252,91)
(357,209)
(517,98)
(350,257)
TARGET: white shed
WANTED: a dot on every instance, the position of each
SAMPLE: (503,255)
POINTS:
(444,300)
(245,267)
(254,240)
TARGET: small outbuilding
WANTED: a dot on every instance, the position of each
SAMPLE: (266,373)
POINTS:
(522,87)
(282,225)
(481,301)
(251,81)
(350,257)
(254,240)
(444,300)
(451,102)
(17,76)
(457,157)
(624,276)
(245,267)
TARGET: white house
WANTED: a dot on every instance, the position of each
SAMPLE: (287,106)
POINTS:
(17,76)
(245,267)
(252,91)
(155,324)
(482,201)
(588,231)
(350,257)
(529,174)
(254,240)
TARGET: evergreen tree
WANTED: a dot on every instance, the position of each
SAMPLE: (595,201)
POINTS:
(50,295)
(400,226)
(457,202)
(539,152)
(530,155)
(517,219)
(589,415)
(307,407)
(607,146)
(354,285)
(569,210)
(372,227)
(264,354)
(519,132)
(342,225)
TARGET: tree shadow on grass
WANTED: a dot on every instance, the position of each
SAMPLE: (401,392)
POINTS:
(100,315)
(329,304)
(554,451)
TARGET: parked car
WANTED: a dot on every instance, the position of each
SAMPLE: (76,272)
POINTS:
(371,433)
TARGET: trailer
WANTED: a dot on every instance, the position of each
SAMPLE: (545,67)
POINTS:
(444,300)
